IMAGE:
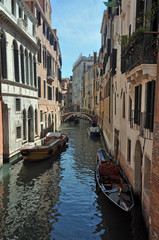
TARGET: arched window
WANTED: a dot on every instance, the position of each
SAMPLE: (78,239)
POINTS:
(36,122)
(35,73)
(3,55)
(24,124)
(22,64)
(26,67)
(16,61)
(31,69)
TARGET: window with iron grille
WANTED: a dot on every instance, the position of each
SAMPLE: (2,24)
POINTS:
(17,104)
(18,132)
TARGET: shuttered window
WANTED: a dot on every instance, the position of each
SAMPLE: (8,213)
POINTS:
(57,97)
(137,110)
(150,98)
(39,86)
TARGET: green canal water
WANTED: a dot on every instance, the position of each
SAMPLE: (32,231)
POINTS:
(56,198)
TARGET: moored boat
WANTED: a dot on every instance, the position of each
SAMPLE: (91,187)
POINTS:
(93,130)
(45,147)
(112,182)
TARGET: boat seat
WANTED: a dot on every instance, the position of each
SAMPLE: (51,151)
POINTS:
(107,185)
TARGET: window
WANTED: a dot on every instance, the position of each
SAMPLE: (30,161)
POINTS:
(115,104)
(129,151)
(138,92)
(33,30)
(3,56)
(123,104)
(39,86)
(44,27)
(35,73)
(18,132)
(46,6)
(130,109)
(150,98)
(17,104)
(31,69)
(41,115)
(16,61)
(13,7)
(27,67)
(38,16)
(44,58)
(39,51)
(25,18)
(45,120)
(57,94)
(36,122)
(24,124)
(49,93)
(53,93)
(20,12)
(44,89)
(32,6)
(22,64)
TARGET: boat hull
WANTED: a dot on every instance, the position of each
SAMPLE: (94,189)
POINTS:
(32,154)
(114,186)
(93,132)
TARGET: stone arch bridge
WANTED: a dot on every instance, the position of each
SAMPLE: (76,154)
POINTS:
(65,116)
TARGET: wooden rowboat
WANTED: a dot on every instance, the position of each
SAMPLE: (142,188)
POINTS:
(112,182)
(44,148)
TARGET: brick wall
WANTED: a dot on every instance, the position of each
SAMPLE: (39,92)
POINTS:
(1,135)
(154,187)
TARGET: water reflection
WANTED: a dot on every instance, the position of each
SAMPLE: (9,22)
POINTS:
(56,198)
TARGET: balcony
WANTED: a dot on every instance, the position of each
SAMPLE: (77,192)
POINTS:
(141,50)
(143,122)
(50,75)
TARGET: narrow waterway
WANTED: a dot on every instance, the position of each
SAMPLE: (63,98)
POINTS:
(56,198)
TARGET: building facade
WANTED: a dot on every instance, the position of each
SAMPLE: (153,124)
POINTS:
(90,96)
(69,96)
(1,126)
(128,60)
(18,77)
(49,64)
(80,66)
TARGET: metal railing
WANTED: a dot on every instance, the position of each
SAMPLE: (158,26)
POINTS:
(143,122)
(141,50)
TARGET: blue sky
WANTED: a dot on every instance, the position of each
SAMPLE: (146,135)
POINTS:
(78,24)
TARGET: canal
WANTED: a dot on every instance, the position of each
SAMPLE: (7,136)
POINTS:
(56,199)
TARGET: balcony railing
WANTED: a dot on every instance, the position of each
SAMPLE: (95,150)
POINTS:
(143,122)
(142,50)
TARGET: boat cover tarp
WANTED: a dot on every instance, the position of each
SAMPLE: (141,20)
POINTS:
(108,168)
